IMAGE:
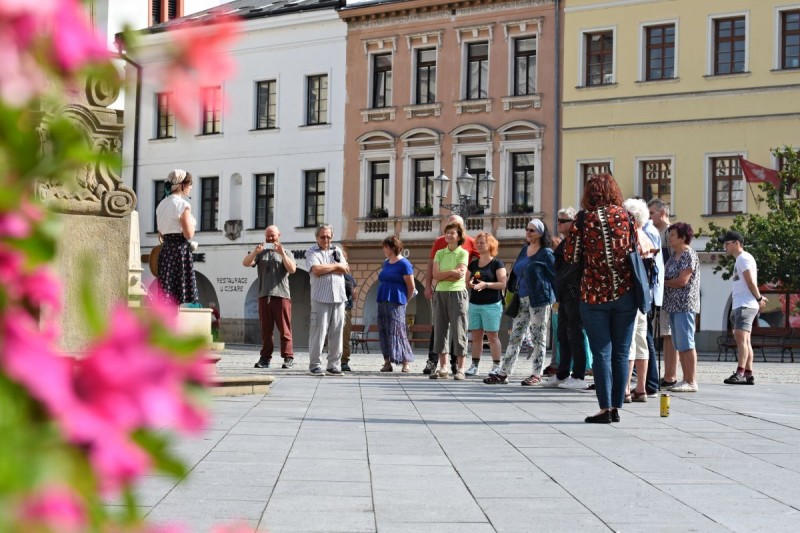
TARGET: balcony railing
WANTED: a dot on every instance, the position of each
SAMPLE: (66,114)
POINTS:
(508,225)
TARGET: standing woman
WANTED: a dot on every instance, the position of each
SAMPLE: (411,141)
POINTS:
(451,301)
(682,301)
(487,282)
(176,226)
(534,304)
(601,240)
(396,288)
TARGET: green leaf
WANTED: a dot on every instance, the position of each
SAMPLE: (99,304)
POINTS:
(157,446)
(91,311)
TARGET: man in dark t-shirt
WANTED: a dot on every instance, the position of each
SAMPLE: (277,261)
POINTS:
(274,266)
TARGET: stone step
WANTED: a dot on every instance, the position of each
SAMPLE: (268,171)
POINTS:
(240,385)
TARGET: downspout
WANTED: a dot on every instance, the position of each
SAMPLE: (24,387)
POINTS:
(136,114)
(557,119)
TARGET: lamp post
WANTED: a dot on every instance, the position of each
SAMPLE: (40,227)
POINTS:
(465,186)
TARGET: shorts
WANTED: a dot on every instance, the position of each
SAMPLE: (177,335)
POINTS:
(485,316)
(743,318)
(682,324)
(663,323)
(639,348)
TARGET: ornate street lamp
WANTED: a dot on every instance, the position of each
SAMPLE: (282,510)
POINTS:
(465,186)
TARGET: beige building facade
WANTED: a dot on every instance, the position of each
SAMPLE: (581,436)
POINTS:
(666,94)
(438,86)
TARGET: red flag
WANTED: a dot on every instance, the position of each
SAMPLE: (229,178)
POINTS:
(754,173)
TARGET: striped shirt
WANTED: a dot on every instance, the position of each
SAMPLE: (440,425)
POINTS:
(328,288)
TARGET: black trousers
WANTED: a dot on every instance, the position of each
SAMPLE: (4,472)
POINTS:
(571,347)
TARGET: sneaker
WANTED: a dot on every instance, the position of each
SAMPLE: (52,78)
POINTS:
(751,379)
(495,369)
(684,387)
(552,383)
(261,364)
(333,371)
(652,393)
(317,371)
(736,379)
(667,384)
(430,367)
(550,371)
(287,363)
(573,384)
(472,370)
(346,367)
(459,376)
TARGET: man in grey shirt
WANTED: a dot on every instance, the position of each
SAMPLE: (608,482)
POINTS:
(274,266)
(327,267)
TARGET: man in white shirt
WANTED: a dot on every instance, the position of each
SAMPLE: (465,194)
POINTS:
(747,302)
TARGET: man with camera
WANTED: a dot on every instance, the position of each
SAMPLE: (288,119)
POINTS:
(274,266)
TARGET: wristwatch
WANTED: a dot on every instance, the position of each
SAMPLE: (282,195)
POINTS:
(760,298)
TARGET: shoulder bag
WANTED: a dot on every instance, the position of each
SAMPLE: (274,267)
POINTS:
(641,281)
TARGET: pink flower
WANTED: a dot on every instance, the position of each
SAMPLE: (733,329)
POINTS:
(42,288)
(233,528)
(10,266)
(14,226)
(74,41)
(54,509)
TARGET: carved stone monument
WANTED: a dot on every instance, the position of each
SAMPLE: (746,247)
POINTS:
(99,224)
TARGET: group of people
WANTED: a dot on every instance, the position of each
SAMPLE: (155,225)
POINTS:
(586,271)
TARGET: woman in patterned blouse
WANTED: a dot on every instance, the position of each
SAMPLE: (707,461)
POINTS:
(682,301)
(601,239)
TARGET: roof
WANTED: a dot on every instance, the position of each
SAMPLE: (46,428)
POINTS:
(249,9)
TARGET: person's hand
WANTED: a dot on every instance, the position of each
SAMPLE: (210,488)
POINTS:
(480,286)
(259,248)
(763,302)
(428,293)
(278,248)
(344,268)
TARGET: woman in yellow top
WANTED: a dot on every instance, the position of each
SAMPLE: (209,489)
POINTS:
(450,301)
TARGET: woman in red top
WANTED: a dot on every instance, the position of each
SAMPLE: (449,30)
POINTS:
(601,239)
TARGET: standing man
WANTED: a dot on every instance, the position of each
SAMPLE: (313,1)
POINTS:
(438,244)
(651,385)
(327,266)
(659,214)
(747,302)
(274,300)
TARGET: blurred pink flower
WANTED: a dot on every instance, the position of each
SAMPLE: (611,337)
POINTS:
(14,225)
(54,509)
(233,528)
(10,266)
(75,42)
(42,289)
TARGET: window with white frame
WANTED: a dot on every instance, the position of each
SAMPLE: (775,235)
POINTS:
(790,39)
(593,168)
(165,116)
(730,45)
(164,10)
(264,200)
(727,185)
(423,187)
(524,66)
(425,86)
(266,104)
(477,86)
(314,198)
(209,203)
(659,50)
(378,188)
(212,110)
(476,166)
(656,176)
(522,182)
(316,100)
(599,58)
(158,195)
(381,80)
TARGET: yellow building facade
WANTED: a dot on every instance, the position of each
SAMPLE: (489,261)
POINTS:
(666,94)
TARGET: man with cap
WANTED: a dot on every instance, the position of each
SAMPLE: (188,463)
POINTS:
(747,302)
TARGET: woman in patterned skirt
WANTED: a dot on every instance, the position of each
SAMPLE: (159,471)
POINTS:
(396,288)
(176,226)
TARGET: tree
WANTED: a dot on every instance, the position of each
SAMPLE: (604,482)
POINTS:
(773,238)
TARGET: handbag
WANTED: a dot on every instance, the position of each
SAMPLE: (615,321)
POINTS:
(512,304)
(153,260)
(641,280)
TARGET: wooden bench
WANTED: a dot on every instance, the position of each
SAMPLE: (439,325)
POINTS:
(726,344)
(764,339)
(420,334)
(791,343)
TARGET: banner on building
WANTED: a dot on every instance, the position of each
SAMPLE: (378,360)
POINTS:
(754,173)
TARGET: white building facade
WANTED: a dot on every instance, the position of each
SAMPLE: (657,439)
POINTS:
(272,155)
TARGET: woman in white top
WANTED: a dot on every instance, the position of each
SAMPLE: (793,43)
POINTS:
(176,226)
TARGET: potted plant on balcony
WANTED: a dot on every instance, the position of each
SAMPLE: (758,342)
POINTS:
(423,210)
(379,212)
(521,208)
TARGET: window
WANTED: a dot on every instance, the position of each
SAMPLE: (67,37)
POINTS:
(790,39)
(381,80)
(522,181)
(423,187)
(792,190)
(164,10)
(212,110)
(165,118)
(266,104)
(265,200)
(477,71)
(426,76)
(660,52)
(590,169)
(599,58)
(524,66)
(476,165)
(317,100)
(158,195)
(657,180)
(378,185)
(315,198)
(209,203)
(727,186)
(729,45)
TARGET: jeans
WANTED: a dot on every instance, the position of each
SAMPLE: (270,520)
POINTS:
(651,385)
(570,335)
(610,328)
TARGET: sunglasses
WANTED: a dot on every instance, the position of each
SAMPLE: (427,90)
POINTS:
(531,230)
(564,220)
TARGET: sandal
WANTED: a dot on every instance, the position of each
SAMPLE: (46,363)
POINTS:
(405,369)
(639,396)
(387,368)
(532,380)
(627,398)
(496,379)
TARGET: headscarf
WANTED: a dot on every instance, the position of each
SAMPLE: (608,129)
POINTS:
(536,223)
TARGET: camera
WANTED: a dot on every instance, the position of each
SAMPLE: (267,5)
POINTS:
(268,245)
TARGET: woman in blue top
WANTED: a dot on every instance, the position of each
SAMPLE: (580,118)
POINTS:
(396,287)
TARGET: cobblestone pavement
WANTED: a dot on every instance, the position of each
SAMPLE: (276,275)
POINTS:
(402,453)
